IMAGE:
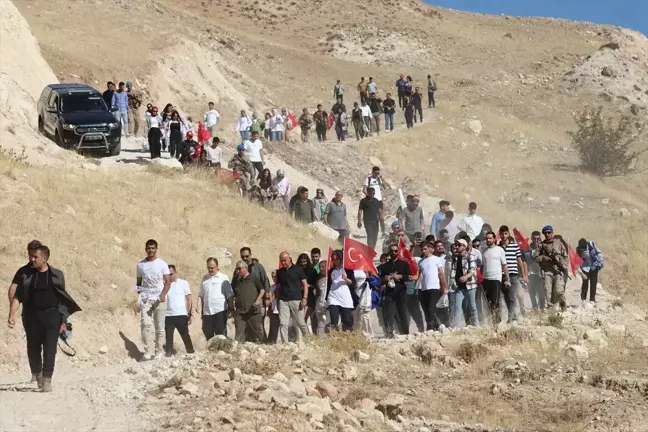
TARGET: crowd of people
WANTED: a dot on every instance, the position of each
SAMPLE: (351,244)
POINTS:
(439,280)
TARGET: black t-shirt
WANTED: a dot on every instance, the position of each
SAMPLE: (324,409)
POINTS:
(389,106)
(370,209)
(375,105)
(289,282)
(398,267)
(43,295)
(417,99)
(459,273)
(107,97)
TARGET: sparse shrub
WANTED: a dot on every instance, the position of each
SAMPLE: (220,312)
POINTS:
(220,343)
(605,145)
(617,303)
(354,396)
(555,320)
(343,342)
(469,352)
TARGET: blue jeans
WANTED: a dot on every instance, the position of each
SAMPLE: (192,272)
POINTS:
(389,121)
(456,300)
(345,314)
(275,136)
(244,135)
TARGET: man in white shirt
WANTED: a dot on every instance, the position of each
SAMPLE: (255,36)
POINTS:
(214,154)
(211,118)
(153,284)
(178,312)
(215,290)
(472,224)
(283,187)
(367,117)
(433,284)
(254,148)
(494,260)
(451,225)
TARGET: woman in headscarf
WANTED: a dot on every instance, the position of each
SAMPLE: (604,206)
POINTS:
(153,124)
(340,301)
(320,202)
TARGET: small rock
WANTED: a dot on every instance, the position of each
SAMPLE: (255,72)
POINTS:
(360,356)
(189,389)
(70,211)
(327,389)
(624,212)
(495,389)
(608,72)
(605,201)
(235,374)
(554,199)
(280,377)
(392,405)
(350,373)
(296,386)
(578,352)
(475,126)
(103,350)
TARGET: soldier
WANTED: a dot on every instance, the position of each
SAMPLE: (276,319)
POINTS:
(239,163)
(134,104)
(551,256)
(305,123)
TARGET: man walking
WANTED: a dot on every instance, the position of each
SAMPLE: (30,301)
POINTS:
(120,101)
(417,101)
(375,104)
(517,269)
(366,117)
(394,273)
(254,148)
(463,278)
(320,118)
(433,285)
(305,123)
(246,304)
(31,248)
(108,94)
(211,119)
(134,104)
(292,292)
(240,163)
(439,216)
(335,216)
(551,256)
(411,218)
(284,188)
(472,224)
(389,108)
(153,284)
(370,212)
(431,88)
(304,210)
(46,308)
(338,91)
(376,181)
(494,267)
(536,284)
(362,90)
(255,268)
(178,312)
(215,291)
(401,86)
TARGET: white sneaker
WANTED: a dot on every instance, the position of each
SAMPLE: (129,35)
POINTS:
(147,357)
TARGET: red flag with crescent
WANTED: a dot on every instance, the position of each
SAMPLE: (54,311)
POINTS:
(521,240)
(329,260)
(575,260)
(404,254)
(358,256)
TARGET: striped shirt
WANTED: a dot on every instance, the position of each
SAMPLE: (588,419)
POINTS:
(513,252)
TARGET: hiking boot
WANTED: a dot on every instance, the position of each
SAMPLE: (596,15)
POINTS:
(47,385)
(38,379)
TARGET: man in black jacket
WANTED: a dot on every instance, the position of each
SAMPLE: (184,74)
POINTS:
(394,273)
(46,308)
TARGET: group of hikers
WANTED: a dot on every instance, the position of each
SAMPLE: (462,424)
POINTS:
(455,275)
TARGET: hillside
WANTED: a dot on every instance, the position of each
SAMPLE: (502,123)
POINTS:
(508,89)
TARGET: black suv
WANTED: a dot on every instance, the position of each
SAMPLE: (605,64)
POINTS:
(76,116)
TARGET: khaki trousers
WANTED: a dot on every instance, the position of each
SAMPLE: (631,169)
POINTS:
(152,316)
(554,283)
(288,309)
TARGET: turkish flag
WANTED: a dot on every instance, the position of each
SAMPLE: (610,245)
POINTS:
(575,260)
(521,241)
(329,261)
(293,121)
(358,256)
(404,254)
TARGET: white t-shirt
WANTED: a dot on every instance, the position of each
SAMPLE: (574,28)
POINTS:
(254,150)
(243,124)
(211,118)
(152,275)
(283,186)
(214,154)
(494,258)
(375,183)
(215,290)
(366,111)
(339,294)
(365,297)
(429,272)
(277,123)
(472,224)
(176,305)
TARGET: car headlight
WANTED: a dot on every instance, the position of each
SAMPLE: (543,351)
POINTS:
(69,126)
(113,125)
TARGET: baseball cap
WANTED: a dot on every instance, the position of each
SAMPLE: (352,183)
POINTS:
(240,147)
(547,228)
(463,242)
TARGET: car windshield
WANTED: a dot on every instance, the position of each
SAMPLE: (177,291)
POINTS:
(73,103)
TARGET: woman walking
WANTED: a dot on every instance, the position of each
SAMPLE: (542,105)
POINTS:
(320,202)
(592,262)
(153,126)
(340,301)
(341,125)
(356,119)
(175,131)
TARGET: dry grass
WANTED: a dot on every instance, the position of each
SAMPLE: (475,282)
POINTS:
(114,213)
(343,342)
(471,352)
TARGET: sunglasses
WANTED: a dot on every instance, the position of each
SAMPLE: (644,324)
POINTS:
(245,256)
(547,232)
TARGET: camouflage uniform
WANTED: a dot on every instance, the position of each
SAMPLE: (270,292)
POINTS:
(242,165)
(553,272)
(305,122)
(134,103)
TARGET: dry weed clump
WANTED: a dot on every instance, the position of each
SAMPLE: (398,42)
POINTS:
(355,395)
(471,352)
(343,342)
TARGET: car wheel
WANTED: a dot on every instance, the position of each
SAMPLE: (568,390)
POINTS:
(115,151)
(41,126)
(57,138)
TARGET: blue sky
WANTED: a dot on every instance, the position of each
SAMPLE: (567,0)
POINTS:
(624,13)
